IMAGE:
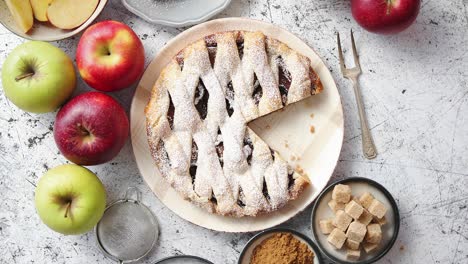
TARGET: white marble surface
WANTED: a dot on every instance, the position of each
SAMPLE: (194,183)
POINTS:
(415,87)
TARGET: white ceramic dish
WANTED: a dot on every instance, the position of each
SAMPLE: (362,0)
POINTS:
(42,30)
(358,186)
(318,151)
(176,13)
(246,253)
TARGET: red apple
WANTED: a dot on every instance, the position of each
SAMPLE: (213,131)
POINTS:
(385,16)
(110,56)
(91,129)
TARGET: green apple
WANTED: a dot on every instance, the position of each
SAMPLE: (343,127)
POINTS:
(38,77)
(70,199)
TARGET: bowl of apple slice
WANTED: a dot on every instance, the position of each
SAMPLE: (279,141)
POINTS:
(48,20)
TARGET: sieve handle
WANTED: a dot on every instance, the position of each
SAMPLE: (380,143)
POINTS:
(131,192)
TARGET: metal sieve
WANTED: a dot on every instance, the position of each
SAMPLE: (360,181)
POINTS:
(128,230)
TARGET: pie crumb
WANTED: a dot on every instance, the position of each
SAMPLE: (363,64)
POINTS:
(312,129)
(311,115)
(267,127)
(293,158)
(299,169)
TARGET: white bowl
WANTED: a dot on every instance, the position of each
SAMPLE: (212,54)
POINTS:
(42,30)
(176,13)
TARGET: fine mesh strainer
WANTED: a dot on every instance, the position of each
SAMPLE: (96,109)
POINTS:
(128,230)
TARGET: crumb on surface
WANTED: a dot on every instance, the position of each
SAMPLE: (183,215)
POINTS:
(312,129)
(311,115)
(299,169)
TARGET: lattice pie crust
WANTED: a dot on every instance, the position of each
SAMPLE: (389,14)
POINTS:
(197,121)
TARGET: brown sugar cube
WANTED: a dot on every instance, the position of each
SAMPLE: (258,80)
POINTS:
(356,199)
(336,238)
(356,231)
(341,193)
(335,206)
(381,221)
(353,255)
(353,209)
(369,247)
(351,244)
(366,199)
(342,220)
(365,217)
(377,208)
(374,233)
(326,226)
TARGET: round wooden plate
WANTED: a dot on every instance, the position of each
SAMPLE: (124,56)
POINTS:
(309,133)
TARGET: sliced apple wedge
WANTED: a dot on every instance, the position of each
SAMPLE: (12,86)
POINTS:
(69,14)
(40,9)
(21,11)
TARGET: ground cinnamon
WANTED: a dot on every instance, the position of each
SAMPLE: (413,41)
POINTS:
(282,248)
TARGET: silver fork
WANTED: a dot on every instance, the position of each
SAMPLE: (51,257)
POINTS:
(368,146)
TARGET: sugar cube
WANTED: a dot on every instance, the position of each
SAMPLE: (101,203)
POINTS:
(366,199)
(353,209)
(374,233)
(353,254)
(356,231)
(326,226)
(377,208)
(342,220)
(365,217)
(341,193)
(369,247)
(381,221)
(336,238)
(335,206)
(356,199)
(351,244)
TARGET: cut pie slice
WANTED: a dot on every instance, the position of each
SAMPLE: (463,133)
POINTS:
(197,120)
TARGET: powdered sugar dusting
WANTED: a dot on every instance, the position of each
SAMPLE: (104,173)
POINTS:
(235,172)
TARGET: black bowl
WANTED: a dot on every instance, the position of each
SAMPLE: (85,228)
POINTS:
(380,252)
(315,249)
(179,257)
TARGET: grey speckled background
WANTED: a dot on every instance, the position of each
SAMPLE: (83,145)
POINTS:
(416,94)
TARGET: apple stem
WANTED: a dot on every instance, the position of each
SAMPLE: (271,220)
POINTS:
(24,75)
(389,6)
(83,130)
(68,209)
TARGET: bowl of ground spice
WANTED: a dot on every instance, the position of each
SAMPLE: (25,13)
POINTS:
(280,246)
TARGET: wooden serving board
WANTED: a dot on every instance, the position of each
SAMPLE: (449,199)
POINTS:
(287,131)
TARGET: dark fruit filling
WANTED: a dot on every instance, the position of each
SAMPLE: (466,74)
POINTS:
(265,190)
(248,149)
(230,99)
(220,149)
(201,99)
(284,79)
(257,90)
(170,112)
(193,161)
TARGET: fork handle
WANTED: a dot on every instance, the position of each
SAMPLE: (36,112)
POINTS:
(368,146)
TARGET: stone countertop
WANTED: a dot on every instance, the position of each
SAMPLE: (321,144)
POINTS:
(415,88)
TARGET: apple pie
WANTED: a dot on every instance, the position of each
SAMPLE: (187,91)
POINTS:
(197,118)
